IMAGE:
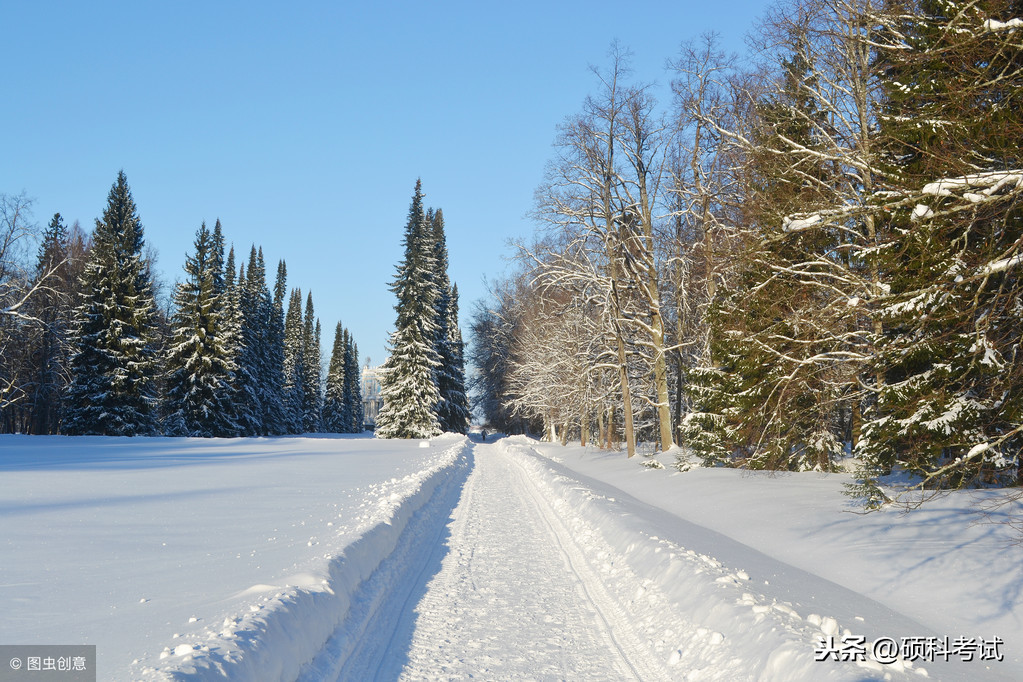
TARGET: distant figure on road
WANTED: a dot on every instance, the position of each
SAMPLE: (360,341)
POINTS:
(483,434)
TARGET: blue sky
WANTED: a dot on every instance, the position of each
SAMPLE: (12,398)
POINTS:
(303,126)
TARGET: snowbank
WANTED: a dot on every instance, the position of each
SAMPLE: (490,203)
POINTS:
(290,624)
(741,576)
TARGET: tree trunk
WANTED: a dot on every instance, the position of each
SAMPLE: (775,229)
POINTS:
(584,426)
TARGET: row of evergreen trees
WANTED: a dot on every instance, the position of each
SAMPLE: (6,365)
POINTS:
(423,379)
(229,361)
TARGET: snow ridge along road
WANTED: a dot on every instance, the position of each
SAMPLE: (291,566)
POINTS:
(326,611)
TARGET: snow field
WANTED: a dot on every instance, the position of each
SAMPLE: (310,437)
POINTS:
(177,556)
(289,625)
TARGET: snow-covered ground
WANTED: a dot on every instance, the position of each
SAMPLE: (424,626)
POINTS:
(148,546)
(354,558)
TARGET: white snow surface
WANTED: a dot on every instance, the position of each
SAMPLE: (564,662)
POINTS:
(355,558)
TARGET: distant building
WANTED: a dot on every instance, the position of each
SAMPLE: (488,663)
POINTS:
(372,401)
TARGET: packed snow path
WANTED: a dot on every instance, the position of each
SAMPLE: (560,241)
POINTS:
(505,595)
(514,565)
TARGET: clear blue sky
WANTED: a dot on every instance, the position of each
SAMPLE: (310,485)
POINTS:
(303,126)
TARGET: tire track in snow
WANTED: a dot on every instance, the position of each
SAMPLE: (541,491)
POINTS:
(515,598)
(383,651)
(380,610)
(616,626)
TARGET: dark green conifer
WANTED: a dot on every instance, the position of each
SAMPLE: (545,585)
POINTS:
(115,359)
(200,369)
(408,383)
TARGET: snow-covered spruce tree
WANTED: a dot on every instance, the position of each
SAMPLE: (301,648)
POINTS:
(268,377)
(199,368)
(115,360)
(951,405)
(274,413)
(352,394)
(243,385)
(342,402)
(452,410)
(408,384)
(271,380)
(336,414)
(294,364)
(251,332)
(311,383)
(457,399)
(775,327)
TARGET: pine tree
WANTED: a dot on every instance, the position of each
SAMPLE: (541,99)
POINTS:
(248,390)
(200,369)
(408,384)
(352,394)
(217,267)
(342,405)
(269,380)
(767,398)
(311,382)
(294,364)
(243,385)
(336,412)
(112,390)
(275,419)
(457,401)
(445,374)
(949,408)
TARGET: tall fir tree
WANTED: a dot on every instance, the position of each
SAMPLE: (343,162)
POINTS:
(312,381)
(949,408)
(249,393)
(408,383)
(342,404)
(275,418)
(336,416)
(200,369)
(115,359)
(352,394)
(764,397)
(243,385)
(269,380)
(457,400)
(294,364)
(451,412)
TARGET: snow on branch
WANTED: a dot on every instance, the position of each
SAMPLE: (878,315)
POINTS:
(980,186)
(1010,25)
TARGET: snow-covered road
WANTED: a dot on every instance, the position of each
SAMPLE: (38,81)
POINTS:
(525,579)
(513,598)
(541,573)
